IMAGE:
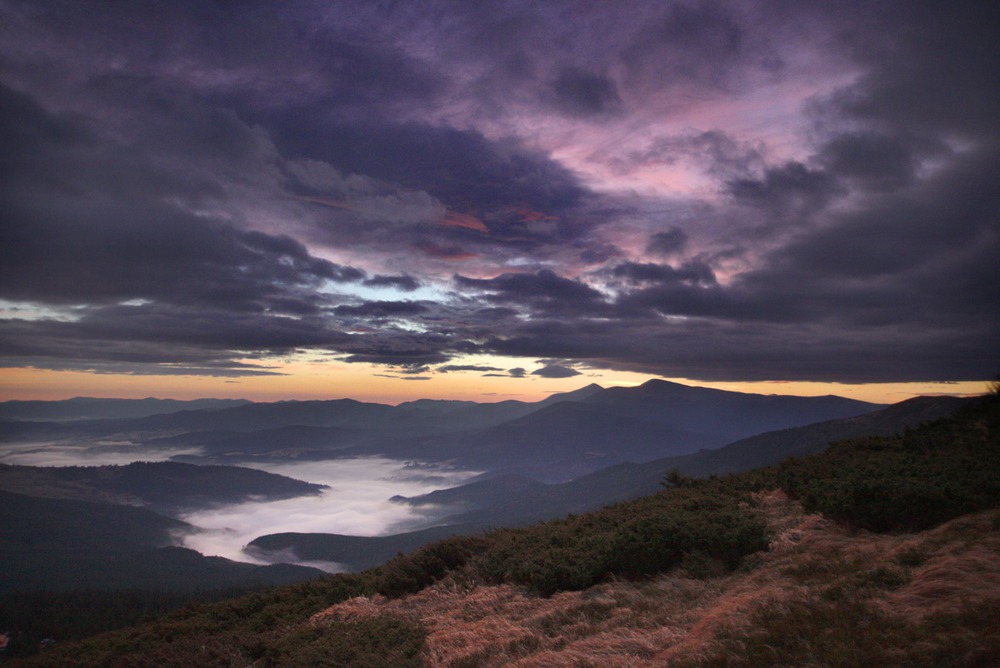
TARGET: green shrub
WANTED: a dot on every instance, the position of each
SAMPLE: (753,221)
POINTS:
(376,642)
(704,527)
(905,483)
(407,574)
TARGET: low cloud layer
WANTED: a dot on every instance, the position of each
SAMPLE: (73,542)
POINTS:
(720,192)
(356,504)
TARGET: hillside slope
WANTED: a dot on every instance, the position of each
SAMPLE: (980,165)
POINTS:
(763,568)
(820,595)
(162,486)
(56,544)
(510,500)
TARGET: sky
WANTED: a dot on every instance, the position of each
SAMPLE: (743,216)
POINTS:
(488,200)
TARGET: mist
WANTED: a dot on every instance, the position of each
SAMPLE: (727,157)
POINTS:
(100,453)
(356,503)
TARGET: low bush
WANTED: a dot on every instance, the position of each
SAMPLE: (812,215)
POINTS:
(907,483)
(704,526)
(376,642)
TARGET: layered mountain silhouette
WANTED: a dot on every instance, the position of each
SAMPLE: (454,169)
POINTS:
(514,500)
(560,438)
(166,487)
(90,408)
(570,453)
(570,435)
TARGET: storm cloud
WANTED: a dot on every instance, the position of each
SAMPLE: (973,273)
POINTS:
(714,191)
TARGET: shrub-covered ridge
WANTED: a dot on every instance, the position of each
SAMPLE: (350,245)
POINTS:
(909,482)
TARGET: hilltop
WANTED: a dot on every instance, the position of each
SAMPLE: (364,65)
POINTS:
(879,551)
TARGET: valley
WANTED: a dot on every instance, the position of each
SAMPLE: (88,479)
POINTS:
(242,473)
(875,549)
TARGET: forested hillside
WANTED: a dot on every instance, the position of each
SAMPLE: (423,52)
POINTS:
(162,486)
(880,551)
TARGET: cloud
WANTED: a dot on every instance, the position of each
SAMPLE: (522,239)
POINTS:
(876,161)
(462,169)
(543,292)
(789,192)
(691,272)
(381,309)
(703,44)
(555,371)
(356,503)
(668,242)
(721,191)
(579,93)
(713,152)
(451,368)
(402,282)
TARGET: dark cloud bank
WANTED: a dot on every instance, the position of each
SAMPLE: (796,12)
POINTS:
(186,185)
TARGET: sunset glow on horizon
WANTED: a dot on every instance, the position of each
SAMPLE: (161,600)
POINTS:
(361,384)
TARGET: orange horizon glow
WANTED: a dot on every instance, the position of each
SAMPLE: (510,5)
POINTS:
(325,380)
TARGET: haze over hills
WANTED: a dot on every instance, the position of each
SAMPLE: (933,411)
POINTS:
(166,487)
(487,501)
(514,500)
(570,453)
(90,408)
(569,435)
(557,439)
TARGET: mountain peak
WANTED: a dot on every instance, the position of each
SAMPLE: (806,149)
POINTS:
(574,395)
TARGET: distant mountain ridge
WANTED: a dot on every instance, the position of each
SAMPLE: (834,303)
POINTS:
(91,408)
(512,500)
(163,486)
(570,435)
(559,438)
(730,413)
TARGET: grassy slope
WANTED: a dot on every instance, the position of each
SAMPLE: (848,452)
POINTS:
(718,572)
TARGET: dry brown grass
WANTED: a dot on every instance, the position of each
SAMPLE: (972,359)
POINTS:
(813,564)
(961,569)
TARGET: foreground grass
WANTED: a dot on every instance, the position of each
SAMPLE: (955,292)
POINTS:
(822,595)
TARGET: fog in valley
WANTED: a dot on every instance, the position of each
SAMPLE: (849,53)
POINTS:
(356,501)
(99,453)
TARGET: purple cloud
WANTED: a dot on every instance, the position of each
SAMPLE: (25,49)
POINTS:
(720,191)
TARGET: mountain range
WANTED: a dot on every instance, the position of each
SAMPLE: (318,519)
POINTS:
(555,440)
(516,500)
(165,487)
(880,550)
(571,453)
